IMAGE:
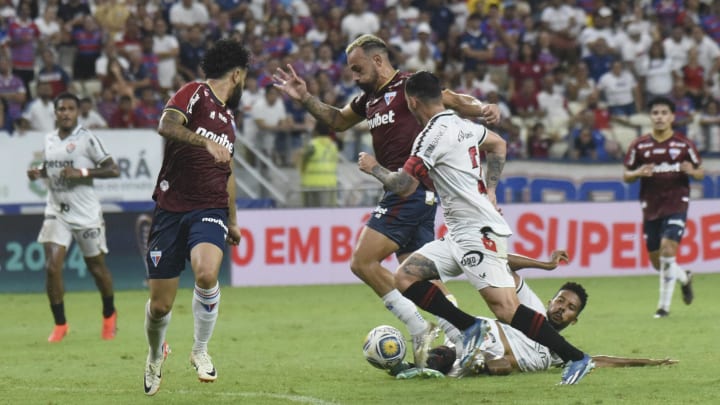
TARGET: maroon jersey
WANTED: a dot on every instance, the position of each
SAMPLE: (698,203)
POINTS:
(668,190)
(189,178)
(392,125)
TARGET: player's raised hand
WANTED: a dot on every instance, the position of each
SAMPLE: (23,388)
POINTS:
(290,83)
(219,152)
(491,113)
(366,162)
(557,257)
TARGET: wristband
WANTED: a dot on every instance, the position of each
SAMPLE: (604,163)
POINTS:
(84,172)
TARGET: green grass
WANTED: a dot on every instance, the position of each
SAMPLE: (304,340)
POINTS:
(289,345)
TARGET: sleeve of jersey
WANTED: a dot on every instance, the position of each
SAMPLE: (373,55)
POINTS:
(483,135)
(415,167)
(631,156)
(358,104)
(96,150)
(695,157)
(185,100)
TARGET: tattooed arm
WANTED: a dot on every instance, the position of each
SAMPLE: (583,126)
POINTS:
(172,126)
(495,147)
(401,183)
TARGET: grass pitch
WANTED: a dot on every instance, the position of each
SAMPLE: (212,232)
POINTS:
(290,345)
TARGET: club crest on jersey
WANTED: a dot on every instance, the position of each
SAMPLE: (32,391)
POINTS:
(155,256)
(674,153)
(70,148)
(389,97)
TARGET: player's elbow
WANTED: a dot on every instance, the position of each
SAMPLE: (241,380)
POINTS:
(114,170)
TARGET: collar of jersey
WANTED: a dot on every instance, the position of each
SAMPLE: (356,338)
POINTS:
(73,132)
(387,82)
(212,92)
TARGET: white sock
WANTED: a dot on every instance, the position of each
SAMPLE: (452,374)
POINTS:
(679,272)
(205,311)
(453,336)
(667,282)
(405,310)
(155,330)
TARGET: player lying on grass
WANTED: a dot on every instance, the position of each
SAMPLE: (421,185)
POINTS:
(506,349)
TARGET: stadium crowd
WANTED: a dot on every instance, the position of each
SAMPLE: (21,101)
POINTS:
(571,76)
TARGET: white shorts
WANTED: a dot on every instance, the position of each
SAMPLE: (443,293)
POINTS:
(91,240)
(483,268)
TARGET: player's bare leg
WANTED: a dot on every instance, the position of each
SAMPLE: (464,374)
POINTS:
(54,261)
(157,318)
(372,248)
(103,280)
(664,260)
(205,259)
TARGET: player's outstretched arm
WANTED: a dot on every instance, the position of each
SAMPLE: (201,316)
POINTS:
(519,262)
(470,106)
(295,87)
(108,169)
(612,361)
(400,183)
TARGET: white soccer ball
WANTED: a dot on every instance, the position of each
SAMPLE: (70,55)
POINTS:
(384,347)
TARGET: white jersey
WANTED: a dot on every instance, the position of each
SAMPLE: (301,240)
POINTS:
(530,355)
(73,201)
(448,146)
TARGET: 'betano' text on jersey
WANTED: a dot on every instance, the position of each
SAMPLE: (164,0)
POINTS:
(392,125)
(448,146)
(189,178)
(73,200)
(668,190)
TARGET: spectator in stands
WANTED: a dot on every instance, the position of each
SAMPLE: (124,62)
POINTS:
(318,33)
(107,104)
(710,126)
(621,91)
(693,76)
(423,60)
(561,22)
(23,37)
(601,28)
(658,72)
(580,78)
(118,79)
(440,17)
(110,52)
(306,61)
(684,108)
(87,37)
(167,49)
(526,66)
(52,73)
(359,21)
(88,117)
(677,46)
(711,21)
(301,124)
(72,13)
(600,59)
(553,107)
(131,38)
(192,51)
(708,52)
(39,114)
(476,48)
(524,103)
(327,64)
(545,55)
(272,121)
(406,12)
(586,145)
(124,116)
(635,50)
(150,60)
(12,91)
(148,109)
(186,14)
(539,142)
(49,26)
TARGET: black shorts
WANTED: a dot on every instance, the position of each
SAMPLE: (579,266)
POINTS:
(174,234)
(670,227)
(409,222)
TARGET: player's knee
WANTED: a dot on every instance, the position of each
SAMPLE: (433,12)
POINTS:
(53,269)
(205,278)
(159,309)
(359,265)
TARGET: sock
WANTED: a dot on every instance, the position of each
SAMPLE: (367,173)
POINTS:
(205,306)
(405,311)
(453,336)
(536,327)
(678,271)
(58,311)
(108,306)
(428,296)
(155,330)
(667,282)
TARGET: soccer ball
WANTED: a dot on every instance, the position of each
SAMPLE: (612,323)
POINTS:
(384,347)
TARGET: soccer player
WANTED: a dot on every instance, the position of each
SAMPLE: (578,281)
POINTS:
(195,213)
(506,349)
(399,225)
(73,157)
(446,156)
(664,161)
